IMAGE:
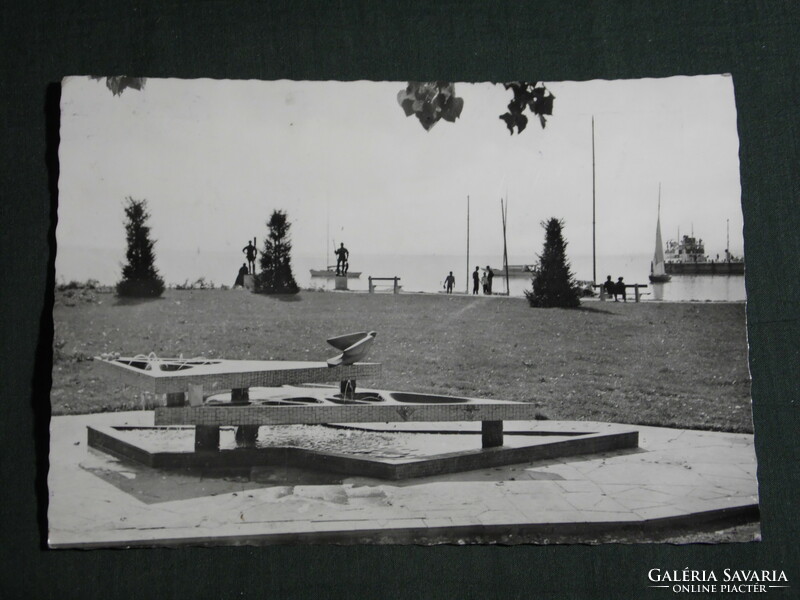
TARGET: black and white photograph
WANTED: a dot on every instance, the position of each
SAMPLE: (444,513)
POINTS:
(399,313)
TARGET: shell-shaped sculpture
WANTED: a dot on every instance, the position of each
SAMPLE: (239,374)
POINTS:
(354,347)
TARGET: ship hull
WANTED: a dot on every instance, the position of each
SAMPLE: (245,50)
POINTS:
(660,278)
(321,273)
(513,271)
(705,268)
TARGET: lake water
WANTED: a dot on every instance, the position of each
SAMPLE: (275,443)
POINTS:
(417,273)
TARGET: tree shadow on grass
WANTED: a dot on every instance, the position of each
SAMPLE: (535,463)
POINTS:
(283,297)
(127,301)
(592,309)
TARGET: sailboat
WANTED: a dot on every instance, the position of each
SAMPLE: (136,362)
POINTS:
(657,272)
(330,270)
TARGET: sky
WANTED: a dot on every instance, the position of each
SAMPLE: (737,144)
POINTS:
(214,158)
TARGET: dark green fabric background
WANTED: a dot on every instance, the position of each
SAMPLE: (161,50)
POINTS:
(471,40)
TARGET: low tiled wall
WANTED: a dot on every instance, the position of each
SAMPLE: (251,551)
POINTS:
(286,415)
(106,439)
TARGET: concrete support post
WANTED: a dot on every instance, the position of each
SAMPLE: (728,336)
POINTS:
(240,396)
(492,434)
(176,399)
(246,436)
(206,437)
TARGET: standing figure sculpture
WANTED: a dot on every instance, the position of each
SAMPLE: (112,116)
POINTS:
(250,251)
(342,254)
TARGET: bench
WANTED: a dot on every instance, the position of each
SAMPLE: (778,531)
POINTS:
(636,293)
(395,286)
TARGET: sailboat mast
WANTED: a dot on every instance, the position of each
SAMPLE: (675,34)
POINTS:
(467,277)
(328,238)
(504,213)
(728,240)
(594,249)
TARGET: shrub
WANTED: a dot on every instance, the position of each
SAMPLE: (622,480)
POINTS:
(553,282)
(140,278)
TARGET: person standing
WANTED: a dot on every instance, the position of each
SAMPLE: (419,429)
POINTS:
(489,277)
(476,280)
(449,282)
(485,283)
(342,254)
(250,251)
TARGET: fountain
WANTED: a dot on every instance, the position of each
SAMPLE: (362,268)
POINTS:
(210,395)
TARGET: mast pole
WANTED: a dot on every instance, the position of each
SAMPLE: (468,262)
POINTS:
(505,245)
(659,201)
(504,212)
(328,237)
(728,240)
(467,277)
(594,214)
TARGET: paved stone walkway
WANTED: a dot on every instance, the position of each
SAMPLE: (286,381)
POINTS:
(677,477)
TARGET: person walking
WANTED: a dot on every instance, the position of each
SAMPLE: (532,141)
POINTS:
(489,277)
(250,251)
(449,282)
(476,280)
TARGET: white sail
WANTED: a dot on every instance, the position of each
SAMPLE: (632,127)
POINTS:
(657,267)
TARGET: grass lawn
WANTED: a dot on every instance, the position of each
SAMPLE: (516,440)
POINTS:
(676,365)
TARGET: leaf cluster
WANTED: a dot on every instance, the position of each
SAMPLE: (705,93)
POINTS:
(533,96)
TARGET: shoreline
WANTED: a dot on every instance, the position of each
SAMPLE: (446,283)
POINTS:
(109,290)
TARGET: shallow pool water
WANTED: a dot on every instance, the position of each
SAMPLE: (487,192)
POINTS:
(384,445)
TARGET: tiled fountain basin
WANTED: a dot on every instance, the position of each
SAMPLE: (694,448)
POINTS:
(429,449)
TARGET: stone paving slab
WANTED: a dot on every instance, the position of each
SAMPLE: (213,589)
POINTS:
(676,477)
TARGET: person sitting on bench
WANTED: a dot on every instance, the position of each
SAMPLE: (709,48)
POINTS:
(620,290)
(609,287)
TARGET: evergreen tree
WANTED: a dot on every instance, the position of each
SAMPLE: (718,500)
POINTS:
(276,267)
(553,282)
(140,278)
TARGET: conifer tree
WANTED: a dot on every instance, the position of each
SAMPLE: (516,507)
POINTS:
(276,265)
(553,282)
(140,278)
